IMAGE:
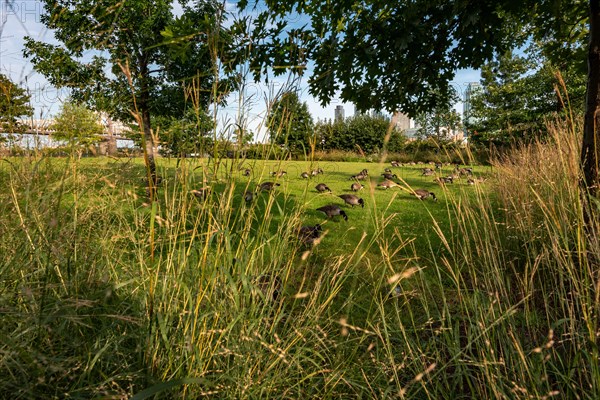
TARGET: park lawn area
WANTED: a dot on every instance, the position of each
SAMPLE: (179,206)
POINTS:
(85,232)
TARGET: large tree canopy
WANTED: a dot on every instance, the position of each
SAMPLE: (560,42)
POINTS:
(132,56)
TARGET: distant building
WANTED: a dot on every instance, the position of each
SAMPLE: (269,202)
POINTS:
(339,114)
(468,119)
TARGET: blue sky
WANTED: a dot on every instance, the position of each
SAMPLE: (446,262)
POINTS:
(20,19)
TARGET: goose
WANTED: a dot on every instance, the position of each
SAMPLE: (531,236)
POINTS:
(202,193)
(359,176)
(387,184)
(248,196)
(390,176)
(395,164)
(352,200)
(309,234)
(269,285)
(278,174)
(442,180)
(322,188)
(428,172)
(316,172)
(304,175)
(332,210)
(387,170)
(422,194)
(355,187)
(472,181)
(268,186)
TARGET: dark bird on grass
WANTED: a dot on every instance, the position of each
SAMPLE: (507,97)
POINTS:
(352,200)
(316,172)
(395,164)
(332,210)
(355,187)
(387,184)
(304,175)
(389,171)
(267,186)
(248,196)
(202,193)
(388,175)
(422,194)
(473,181)
(359,176)
(278,174)
(444,179)
(309,234)
(428,172)
(270,286)
(321,188)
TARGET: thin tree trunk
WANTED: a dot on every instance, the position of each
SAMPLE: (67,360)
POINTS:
(144,108)
(590,154)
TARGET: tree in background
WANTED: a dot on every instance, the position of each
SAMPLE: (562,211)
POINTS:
(152,55)
(14,103)
(440,121)
(186,135)
(519,94)
(361,132)
(77,125)
(290,123)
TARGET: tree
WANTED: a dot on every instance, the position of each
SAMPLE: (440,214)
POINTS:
(402,55)
(14,103)
(77,125)
(152,55)
(186,135)
(290,123)
(439,121)
(518,96)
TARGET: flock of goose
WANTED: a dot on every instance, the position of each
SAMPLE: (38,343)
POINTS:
(308,235)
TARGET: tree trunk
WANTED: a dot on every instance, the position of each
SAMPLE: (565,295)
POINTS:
(144,109)
(589,149)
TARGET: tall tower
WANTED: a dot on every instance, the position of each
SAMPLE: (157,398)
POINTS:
(339,114)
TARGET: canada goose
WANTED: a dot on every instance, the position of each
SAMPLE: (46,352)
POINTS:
(202,193)
(352,200)
(395,164)
(316,172)
(438,165)
(278,174)
(463,171)
(355,187)
(387,175)
(332,210)
(422,194)
(309,234)
(364,172)
(269,285)
(359,176)
(304,175)
(387,170)
(321,188)
(442,180)
(268,186)
(428,172)
(246,172)
(248,196)
(472,181)
(387,184)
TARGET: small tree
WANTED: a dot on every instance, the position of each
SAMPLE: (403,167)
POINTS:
(14,103)
(77,125)
(290,123)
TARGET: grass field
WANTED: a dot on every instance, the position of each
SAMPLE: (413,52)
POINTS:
(486,293)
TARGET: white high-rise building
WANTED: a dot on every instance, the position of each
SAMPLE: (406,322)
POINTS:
(472,89)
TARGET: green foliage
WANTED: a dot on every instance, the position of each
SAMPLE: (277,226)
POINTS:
(14,103)
(519,95)
(440,120)
(77,125)
(290,123)
(186,135)
(362,132)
